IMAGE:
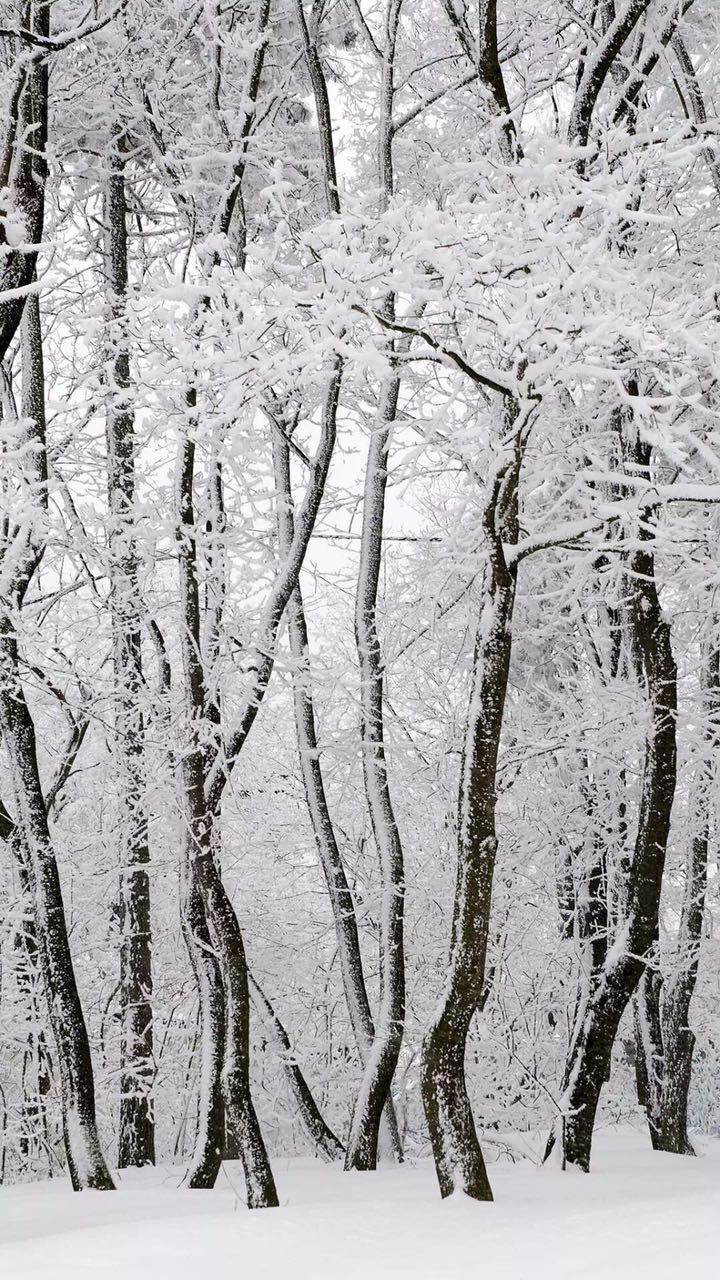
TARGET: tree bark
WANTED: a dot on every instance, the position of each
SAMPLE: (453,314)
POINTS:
(458,1157)
(23,174)
(678,1039)
(21,555)
(664,1040)
(588,1063)
(380,1066)
(85,1159)
(136,1145)
(208,897)
(210,1137)
(341,899)
(375,1087)
(37,1063)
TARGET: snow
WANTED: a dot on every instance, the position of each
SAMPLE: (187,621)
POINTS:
(637,1215)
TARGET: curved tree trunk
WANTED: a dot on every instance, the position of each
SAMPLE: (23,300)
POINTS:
(229,948)
(458,1157)
(210,1137)
(316,1127)
(341,899)
(204,879)
(382,1060)
(375,1086)
(588,1064)
(19,558)
(85,1159)
(678,991)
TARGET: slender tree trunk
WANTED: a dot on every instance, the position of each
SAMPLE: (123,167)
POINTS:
(229,948)
(37,1064)
(382,1060)
(210,1138)
(204,796)
(209,1148)
(341,899)
(137,1128)
(647,1020)
(375,1086)
(677,1037)
(678,991)
(458,1157)
(591,924)
(85,1160)
(20,557)
(204,876)
(664,1040)
(315,1125)
(588,1064)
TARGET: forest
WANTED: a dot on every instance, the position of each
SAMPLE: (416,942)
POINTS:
(359,592)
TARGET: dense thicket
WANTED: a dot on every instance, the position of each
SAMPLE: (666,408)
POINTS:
(359,630)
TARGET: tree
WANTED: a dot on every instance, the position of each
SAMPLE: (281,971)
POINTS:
(137,1140)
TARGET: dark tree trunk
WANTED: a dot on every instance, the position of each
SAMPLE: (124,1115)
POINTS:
(206,773)
(136,1144)
(225,936)
(229,948)
(458,1157)
(678,1038)
(588,1064)
(37,1064)
(23,171)
(664,1040)
(85,1160)
(210,1138)
(678,1048)
(21,556)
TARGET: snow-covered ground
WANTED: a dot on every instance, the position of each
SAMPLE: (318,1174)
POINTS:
(638,1215)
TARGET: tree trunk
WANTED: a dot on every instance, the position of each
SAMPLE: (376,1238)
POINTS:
(137,1128)
(85,1160)
(677,1037)
(224,931)
(649,1045)
(341,899)
(375,1087)
(209,1147)
(381,1063)
(664,1004)
(37,1063)
(458,1157)
(316,1127)
(229,948)
(588,1064)
(23,173)
(21,555)
(210,1138)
